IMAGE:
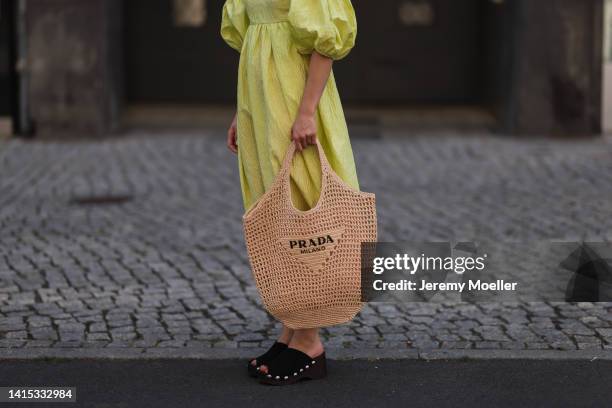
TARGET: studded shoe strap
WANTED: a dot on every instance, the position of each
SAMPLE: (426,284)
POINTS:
(290,362)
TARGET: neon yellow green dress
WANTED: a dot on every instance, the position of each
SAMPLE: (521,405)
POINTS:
(275,39)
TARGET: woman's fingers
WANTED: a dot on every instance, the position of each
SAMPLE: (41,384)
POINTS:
(304,131)
(232,135)
(231,140)
(312,139)
(297,139)
(303,138)
(303,141)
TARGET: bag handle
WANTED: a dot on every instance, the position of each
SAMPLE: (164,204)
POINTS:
(286,172)
(291,149)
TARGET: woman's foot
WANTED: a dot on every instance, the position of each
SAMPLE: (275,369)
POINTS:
(280,345)
(255,364)
(306,341)
(292,366)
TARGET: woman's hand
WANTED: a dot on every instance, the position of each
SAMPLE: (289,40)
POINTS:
(232,136)
(304,131)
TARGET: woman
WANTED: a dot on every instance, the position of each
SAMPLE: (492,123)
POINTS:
(287,93)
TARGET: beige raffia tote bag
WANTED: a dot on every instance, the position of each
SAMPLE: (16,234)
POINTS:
(307,264)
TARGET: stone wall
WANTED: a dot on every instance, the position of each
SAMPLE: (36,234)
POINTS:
(73,65)
(556,74)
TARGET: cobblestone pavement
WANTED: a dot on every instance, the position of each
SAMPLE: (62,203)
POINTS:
(137,241)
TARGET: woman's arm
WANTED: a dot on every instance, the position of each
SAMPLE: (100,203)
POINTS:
(304,130)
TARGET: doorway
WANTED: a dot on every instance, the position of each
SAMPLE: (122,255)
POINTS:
(172,58)
(408,52)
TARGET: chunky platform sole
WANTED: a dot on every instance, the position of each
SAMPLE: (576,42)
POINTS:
(316,369)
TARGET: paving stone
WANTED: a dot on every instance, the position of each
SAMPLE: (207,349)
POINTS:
(587,339)
(97,337)
(489,345)
(168,267)
(120,344)
(38,344)
(462,345)
(16,335)
(11,343)
(44,334)
(589,346)
(98,327)
(38,321)
(607,333)
(171,343)
(123,336)
(146,343)
(69,344)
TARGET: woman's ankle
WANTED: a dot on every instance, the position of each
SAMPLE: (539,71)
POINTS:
(307,341)
(286,335)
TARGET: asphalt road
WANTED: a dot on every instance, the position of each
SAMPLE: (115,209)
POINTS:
(399,383)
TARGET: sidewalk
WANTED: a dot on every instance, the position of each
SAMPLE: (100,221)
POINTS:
(134,245)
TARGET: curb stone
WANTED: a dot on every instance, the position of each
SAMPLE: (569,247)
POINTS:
(332,353)
(516,355)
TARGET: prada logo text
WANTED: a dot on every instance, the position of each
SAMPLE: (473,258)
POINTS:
(310,245)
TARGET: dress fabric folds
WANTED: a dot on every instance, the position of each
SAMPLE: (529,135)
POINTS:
(275,39)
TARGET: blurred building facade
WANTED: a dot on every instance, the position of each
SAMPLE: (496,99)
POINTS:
(607,74)
(75,65)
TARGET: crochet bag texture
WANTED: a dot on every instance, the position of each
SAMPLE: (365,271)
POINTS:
(307,264)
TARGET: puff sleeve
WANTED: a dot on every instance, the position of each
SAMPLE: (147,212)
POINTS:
(326,26)
(234,23)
